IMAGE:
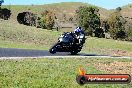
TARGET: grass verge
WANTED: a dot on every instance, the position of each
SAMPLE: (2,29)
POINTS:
(51,73)
(19,45)
(106,46)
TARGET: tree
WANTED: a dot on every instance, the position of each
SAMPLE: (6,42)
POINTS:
(27,18)
(87,17)
(99,33)
(118,9)
(1,1)
(105,25)
(5,13)
(47,20)
(117,25)
(41,22)
(30,18)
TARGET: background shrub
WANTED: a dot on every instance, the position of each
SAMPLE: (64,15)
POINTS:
(87,17)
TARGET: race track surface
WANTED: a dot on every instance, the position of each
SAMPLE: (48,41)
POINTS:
(7,52)
(11,52)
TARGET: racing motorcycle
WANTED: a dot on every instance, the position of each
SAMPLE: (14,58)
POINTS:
(67,42)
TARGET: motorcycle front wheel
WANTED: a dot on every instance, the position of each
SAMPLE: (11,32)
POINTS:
(53,49)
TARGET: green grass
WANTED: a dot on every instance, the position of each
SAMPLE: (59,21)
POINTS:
(105,46)
(14,35)
(18,45)
(50,73)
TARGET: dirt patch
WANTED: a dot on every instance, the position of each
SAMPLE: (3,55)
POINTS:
(121,53)
(112,52)
(115,67)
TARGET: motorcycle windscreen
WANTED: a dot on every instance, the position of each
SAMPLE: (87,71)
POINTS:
(66,39)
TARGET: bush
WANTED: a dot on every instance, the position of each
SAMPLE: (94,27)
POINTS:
(117,26)
(41,23)
(27,18)
(121,34)
(46,20)
(1,1)
(105,26)
(99,33)
(129,32)
(88,19)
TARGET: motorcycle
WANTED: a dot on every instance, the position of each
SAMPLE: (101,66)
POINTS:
(67,42)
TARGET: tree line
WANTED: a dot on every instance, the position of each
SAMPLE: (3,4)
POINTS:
(1,1)
(87,17)
(45,20)
(115,25)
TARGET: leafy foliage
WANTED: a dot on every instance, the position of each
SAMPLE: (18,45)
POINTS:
(5,13)
(1,1)
(129,33)
(117,25)
(99,33)
(41,22)
(88,18)
(27,18)
(105,25)
(46,20)
(118,9)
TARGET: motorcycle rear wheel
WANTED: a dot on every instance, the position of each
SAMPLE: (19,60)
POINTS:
(74,52)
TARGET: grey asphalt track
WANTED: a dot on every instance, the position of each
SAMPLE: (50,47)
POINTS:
(11,52)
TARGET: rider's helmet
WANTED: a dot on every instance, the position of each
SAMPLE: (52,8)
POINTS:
(78,30)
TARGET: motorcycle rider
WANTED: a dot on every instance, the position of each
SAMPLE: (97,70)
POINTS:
(79,34)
